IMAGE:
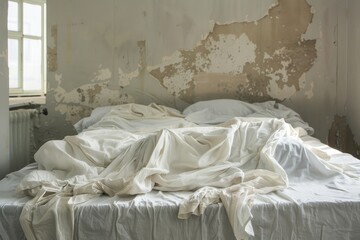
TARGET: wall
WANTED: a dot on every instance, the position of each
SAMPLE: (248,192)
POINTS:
(178,52)
(353,70)
(4,101)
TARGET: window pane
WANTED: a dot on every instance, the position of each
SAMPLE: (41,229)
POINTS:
(13,16)
(32,19)
(13,59)
(32,55)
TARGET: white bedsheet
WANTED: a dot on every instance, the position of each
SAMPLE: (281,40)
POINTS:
(133,152)
(293,213)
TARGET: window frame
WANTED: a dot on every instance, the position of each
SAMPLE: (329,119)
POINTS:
(20,36)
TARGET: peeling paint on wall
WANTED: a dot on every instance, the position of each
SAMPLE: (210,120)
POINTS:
(256,61)
(98,92)
(124,78)
(277,38)
(79,102)
(267,52)
(72,112)
(102,74)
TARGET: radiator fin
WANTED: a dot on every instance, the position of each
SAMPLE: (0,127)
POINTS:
(22,145)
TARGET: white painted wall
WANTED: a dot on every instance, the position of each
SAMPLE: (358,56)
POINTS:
(320,100)
(353,69)
(4,93)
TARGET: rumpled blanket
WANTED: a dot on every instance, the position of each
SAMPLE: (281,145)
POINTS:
(135,148)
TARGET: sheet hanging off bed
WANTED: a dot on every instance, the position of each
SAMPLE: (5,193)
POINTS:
(136,148)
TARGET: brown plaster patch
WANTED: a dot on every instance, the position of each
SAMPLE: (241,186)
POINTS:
(142,52)
(73,112)
(341,137)
(92,92)
(81,94)
(221,83)
(75,104)
(142,62)
(52,51)
(281,55)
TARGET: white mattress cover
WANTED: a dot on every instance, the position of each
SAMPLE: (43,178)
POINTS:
(303,211)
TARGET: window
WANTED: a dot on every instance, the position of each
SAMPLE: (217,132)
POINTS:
(26,47)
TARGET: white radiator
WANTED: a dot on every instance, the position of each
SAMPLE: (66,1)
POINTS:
(22,144)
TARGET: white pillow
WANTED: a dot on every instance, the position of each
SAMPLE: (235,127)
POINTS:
(95,116)
(222,107)
(221,110)
(207,117)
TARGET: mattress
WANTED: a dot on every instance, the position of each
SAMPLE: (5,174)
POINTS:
(221,169)
(304,210)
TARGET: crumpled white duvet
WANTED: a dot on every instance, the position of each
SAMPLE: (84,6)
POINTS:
(135,148)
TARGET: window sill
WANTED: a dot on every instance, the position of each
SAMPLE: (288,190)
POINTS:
(26,101)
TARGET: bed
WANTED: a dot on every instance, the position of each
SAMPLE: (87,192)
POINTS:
(221,169)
